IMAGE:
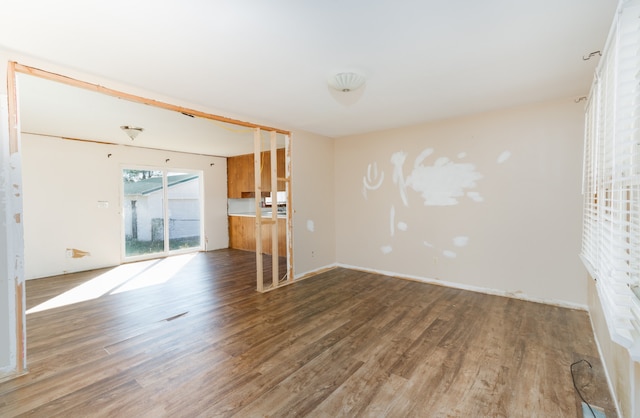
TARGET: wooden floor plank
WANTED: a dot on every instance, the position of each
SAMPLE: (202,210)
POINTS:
(341,344)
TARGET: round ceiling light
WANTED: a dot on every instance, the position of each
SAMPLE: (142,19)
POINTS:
(132,131)
(347,81)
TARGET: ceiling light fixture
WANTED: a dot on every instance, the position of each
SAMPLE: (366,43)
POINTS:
(347,82)
(132,131)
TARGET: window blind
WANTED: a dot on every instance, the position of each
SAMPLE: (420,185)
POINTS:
(611,179)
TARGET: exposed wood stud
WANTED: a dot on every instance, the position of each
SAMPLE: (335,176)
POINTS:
(257,174)
(274,211)
(288,188)
(122,145)
(131,97)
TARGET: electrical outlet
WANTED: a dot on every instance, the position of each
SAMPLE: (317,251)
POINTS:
(313,254)
(69,253)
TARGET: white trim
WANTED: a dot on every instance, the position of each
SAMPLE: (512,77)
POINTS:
(477,289)
(605,368)
(315,272)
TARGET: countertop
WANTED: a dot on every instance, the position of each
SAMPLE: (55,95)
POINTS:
(265,215)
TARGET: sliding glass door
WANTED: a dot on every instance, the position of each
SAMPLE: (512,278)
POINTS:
(183,210)
(162,212)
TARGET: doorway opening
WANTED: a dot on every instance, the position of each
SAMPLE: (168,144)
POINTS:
(162,227)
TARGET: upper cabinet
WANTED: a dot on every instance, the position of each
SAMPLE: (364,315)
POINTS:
(241,178)
(239,175)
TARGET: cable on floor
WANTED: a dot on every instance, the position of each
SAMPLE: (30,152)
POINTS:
(573,377)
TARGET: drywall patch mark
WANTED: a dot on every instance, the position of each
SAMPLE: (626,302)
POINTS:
(443,182)
(461,241)
(475,196)
(373,180)
(504,157)
(75,253)
(439,184)
(310,226)
(420,158)
(17,218)
(398,159)
(392,220)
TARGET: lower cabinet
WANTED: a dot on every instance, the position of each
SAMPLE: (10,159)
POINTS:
(242,235)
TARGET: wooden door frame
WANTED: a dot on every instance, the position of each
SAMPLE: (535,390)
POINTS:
(14,148)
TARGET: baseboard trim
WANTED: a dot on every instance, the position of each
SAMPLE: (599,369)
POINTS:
(488,291)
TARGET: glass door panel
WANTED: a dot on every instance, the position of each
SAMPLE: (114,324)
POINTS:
(183,210)
(143,212)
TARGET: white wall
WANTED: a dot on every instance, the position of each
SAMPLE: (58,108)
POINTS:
(513,229)
(70,166)
(64,181)
(314,238)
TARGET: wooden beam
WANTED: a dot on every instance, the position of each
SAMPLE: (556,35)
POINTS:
(138,99)
(287,175)
(257,153)
(93,141)
(274,210)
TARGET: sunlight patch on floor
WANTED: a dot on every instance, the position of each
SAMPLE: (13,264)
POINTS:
(156,274)
(119,279)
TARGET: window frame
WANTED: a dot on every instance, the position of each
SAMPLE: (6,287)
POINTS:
(611,179)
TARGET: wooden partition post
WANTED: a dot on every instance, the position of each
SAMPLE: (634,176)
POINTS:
(274,210)
(257,136)
(289,223)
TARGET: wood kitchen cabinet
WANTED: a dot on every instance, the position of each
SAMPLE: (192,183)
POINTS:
(241,178)
(242,235)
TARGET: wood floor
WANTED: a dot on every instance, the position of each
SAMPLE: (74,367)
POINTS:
(341,344)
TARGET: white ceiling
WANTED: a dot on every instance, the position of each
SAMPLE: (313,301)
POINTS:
(56,109)
(268,61)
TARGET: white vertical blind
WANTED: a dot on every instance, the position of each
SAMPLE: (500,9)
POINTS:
(611,179)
